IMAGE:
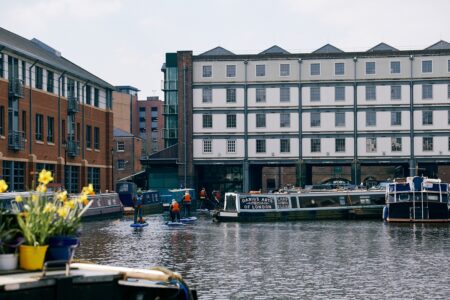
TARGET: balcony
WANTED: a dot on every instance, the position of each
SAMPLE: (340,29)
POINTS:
(73,106)
(16,140)
(72,146)
(170,109)
(15,88)
(170,133)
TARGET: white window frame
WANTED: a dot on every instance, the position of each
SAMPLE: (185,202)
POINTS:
(371,144)
(288,89)
(400,66)
(335,119)
(288,70)
(423,143)
(120,147)
(226,71)
(336,145)
(421,67)
(288,145)
(311,69)
(395,145)
(335,64)
(207,146)
(204,98)
(374,67)
(203,71)
(231,146)
(256,70)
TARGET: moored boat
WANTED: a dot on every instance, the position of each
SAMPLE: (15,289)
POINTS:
(417,199)
(311,205)
(152,203)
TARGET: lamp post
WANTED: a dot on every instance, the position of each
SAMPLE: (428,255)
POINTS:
(112,169)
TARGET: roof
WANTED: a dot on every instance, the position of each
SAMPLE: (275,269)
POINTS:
(439,46)
(169,154)
(328,48)
(117,132)
(131,176)
(37,50)
(275,50)
(127,88)
(217,51)
(382,47)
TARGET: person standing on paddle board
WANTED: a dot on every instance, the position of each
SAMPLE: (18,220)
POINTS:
(174,211)
(186,204)
(202,198)
(137,202)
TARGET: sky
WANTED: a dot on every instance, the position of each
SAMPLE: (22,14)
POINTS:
(124,41)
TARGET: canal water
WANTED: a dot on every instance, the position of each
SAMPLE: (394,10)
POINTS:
(283,260)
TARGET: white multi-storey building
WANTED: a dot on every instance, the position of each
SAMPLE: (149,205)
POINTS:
(356,115)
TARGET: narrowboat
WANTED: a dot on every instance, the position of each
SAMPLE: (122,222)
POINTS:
(177,194)
(417,199)
(152,203)
(309,205)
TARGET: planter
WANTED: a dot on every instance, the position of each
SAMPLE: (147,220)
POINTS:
(61,247)
(8,261)
(32,257)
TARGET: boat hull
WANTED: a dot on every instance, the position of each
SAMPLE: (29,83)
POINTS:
(429,212)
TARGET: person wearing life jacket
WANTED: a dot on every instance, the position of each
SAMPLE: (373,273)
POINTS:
(174,211)
(137,203)
(186,200)
(202,198)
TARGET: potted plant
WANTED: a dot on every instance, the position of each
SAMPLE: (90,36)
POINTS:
(9,241)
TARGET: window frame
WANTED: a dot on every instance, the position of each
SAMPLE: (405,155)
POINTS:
(207,95)
(371,92)
(339,147)
(371,144)
(396,92)
(260,95)
(229,68)
(315,119)
(341,93)
(427,117)
(335,68)
(427,93)
(120,146)
(231,146)
(424,66)
(393,68)
(283,73)
(285,94)
(207,146)
(426,143)
(396,146)
(315,69)
(368,68)
(285,145)
(231,95)
(207,71)
(260,120)
(314,94)
(395,120)
(340,114)
(231,121)
(316,145)
(260,70)
(260,145)
(207,121)
(50,129)
(371,118)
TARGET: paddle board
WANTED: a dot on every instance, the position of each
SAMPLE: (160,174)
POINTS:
(170,223)
(138,225)
(188,220)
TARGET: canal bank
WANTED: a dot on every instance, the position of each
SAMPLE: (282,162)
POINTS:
(285,260)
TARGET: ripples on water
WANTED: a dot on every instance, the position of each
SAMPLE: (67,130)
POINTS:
(289,260)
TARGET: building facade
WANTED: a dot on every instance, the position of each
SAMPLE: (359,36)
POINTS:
(127,155)
(358,116)
(53,115)
(151,122)
(126,109)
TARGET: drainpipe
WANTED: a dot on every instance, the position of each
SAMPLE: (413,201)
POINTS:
(30,117)
(185,68)
(412,165)
(355,123)
(300,125)
(59,112)
(246,173)
(83,126)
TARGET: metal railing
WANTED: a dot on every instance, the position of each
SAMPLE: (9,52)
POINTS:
(72,146)
(73,105)
(16,140)
(15,88)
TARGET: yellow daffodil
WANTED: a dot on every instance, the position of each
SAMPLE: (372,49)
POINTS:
(23,214)
(3,186)
(70,204)
(88,190)
(42,188)
(34,197)
(83,199)
(49,207)
(19,198)
(62,196)
(63,212)
(45,177)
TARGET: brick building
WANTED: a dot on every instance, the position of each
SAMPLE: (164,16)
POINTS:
(53,115)
(127,154)
(126,109)
(151,123)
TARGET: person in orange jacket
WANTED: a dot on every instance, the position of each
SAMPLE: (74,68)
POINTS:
(186,204)
(174,211)
(202,198)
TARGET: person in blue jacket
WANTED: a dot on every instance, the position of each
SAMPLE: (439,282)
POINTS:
(137,203)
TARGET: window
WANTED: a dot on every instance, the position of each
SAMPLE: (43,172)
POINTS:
(207,71)
(370,67)
(207,146)
(315,119)
(24,122)
(207,121)
(260,70)
(285,94)
(50,130)
(339,69)
(449,143)
(88,94)
(315,145)
(427,91)
(285,145)
(63,86)
(231,146)
(339,145)
(427,117)
(14,174)
(231,95)
(24,72)
(231,121)
(285,69)
(448,91)
(260,95)
(339,93)
(260,146)
(50,81)
(427,143)
(371,92)
(1,65)
(448,66)
(96,97)
(207,95)
(285,120)
(260,120)
(314,92)
(231,70)
(315,69)
(88,136)
(2,120)
(396,118)
(448,117)
(94,178)
(141,109)
(395,67)
(96,138)
(396,92)
(39,127)
(120,164)
(427,66)
(396,144)
(371,118)
(371,144)
(339,120)
(39,77)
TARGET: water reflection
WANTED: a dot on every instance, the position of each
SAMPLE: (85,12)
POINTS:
(312,260)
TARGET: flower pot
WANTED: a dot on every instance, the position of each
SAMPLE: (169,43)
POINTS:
(61,247)
(32,257)
(8,261)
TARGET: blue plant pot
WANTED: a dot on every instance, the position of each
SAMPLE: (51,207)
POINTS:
(61,247)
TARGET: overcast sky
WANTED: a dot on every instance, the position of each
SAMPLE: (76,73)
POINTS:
(124,41)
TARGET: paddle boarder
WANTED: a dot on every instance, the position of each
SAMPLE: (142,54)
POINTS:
(137,203)
(186,200)
(174,211)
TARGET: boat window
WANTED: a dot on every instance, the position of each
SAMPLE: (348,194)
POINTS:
(433,197)
(342,201)
(294,202)
(403,197)
(364,199)
(378,199)
(282,202)
(231,202)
